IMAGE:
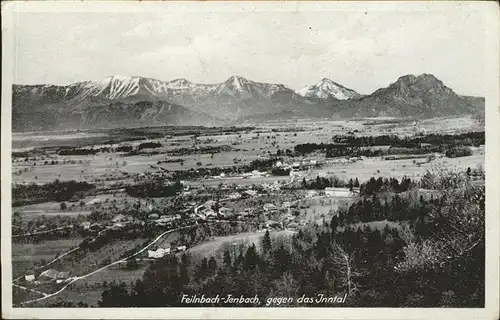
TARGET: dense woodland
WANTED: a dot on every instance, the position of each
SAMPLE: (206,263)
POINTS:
(52,191)
(434,257)
(465,139)
(154,189)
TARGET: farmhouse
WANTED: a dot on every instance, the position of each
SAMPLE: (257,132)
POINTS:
(119,218)
(338,192)
(158,253)
(209,213)
(292,226)
(235,195)
(271,187)
(180,248)
(273,224)
(117,226)
(29,277)
(153,216)
(209,204)
(149,207)
(62,276)
(269,207)
(85,225)
(256,173)
(225,212)
(94,201)
(251,193)
(246,212)
(312,193)
(53,275)
(48,275)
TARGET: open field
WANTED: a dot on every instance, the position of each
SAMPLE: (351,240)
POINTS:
(90,297)
(93,260)
(251,145)
(323,206)
(216,246)
(89,290)
(27,256)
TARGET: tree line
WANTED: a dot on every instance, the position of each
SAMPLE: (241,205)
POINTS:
(154,189)
(464,139)
(52,191)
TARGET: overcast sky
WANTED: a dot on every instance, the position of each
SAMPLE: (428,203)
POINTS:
(361,50)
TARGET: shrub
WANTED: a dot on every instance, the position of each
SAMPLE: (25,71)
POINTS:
(458,152)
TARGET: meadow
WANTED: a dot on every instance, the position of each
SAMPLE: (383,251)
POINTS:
(27,256)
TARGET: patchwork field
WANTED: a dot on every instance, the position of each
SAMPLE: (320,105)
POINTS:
(216,246)
(27,256)
(175,180)
(90,261)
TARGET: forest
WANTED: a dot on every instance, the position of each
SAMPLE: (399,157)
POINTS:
(52,191)
(154,189)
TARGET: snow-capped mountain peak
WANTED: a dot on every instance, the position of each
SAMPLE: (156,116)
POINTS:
(179,84)
(326,89)
(117,87)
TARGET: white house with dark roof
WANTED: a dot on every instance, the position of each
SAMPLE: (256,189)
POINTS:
(338,192)
(159,252)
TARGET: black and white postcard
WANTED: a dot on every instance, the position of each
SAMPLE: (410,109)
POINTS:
(209,160)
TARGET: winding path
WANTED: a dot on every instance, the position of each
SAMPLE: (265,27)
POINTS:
(102,268)
(29,289)
(42,232)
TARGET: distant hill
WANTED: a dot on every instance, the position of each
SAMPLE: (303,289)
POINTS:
(424,96)
(130,101)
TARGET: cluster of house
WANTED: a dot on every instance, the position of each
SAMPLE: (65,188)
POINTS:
(305,163)
(288,223)
(47,276)
(288,220)
(163,219)
(120,220)
(254,174)
(209,210)
(244,194)
(275,186)
(347,160)
(163,250)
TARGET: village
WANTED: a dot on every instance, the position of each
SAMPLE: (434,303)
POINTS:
(229,206)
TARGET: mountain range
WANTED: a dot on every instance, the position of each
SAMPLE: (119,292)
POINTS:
(121,101)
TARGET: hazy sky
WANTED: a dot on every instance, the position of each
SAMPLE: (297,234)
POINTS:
(361,50)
